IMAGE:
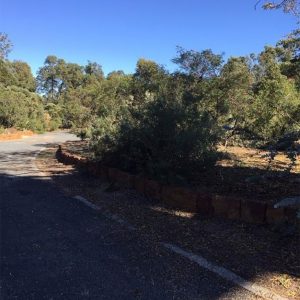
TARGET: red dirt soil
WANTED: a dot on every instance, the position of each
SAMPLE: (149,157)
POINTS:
(14,134)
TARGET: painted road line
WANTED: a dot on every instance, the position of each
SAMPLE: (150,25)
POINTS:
(226,274)
(87,203)
(106,213)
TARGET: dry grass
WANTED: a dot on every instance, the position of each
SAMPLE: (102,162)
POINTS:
(254,158)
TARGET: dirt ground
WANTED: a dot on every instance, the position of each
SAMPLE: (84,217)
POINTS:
(267,255)
(14,134)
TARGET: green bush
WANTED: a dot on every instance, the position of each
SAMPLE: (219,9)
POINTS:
(21,109)
(164,138)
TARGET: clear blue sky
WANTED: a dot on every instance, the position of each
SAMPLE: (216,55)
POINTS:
(116,33)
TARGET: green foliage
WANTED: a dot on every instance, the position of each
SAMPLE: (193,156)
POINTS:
(289,54)
(21,72)
(277,103)
(7,77)
(236,84)
(162,137)
(57,77)
(147,79)
(21,109)
(16,73)
(94,69)
(53,116)
(204,64)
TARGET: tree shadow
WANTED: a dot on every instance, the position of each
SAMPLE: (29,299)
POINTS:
(249,182)
(47,145)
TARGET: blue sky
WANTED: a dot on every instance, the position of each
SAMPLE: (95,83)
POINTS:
(117,33)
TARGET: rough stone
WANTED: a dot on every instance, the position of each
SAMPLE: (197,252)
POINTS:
(139,184)
(253,212)
(290,214)
(124,178)
(227,207)
(204,204)
(152,189)
(180,198)
(275,215)
(104,173)
(112,174)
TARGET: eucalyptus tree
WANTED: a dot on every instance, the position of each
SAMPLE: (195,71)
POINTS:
(203,65)
(289,55)
(23,75)
(5,45)
(148,79)
(288,6)
(276,107)
(48,78)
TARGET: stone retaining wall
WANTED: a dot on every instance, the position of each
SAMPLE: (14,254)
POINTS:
(186,199)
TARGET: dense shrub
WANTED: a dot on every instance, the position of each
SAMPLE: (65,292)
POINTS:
(21,109)
(164,138)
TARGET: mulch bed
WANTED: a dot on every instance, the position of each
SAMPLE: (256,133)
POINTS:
(242,174)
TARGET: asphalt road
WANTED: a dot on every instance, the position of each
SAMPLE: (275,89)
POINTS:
(54,247)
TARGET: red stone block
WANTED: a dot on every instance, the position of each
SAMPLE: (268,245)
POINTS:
(71,160)
(204,204)
(139,184)
(180,198)
(104,173)
(152,189)
(76,159)
(67,159)
(253,212)
(95,169)
(227,207)
(275,215)
(290,214)
(58,154)
(63,157)
(81,163)
(112,174)
(124,178)
(92,168)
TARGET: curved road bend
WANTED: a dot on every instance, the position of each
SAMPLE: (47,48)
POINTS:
(54,247)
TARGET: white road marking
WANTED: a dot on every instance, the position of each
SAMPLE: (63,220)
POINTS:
(106,213)
(87,203)
(226,274)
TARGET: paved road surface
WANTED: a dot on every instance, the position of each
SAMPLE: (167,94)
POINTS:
(54,247)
